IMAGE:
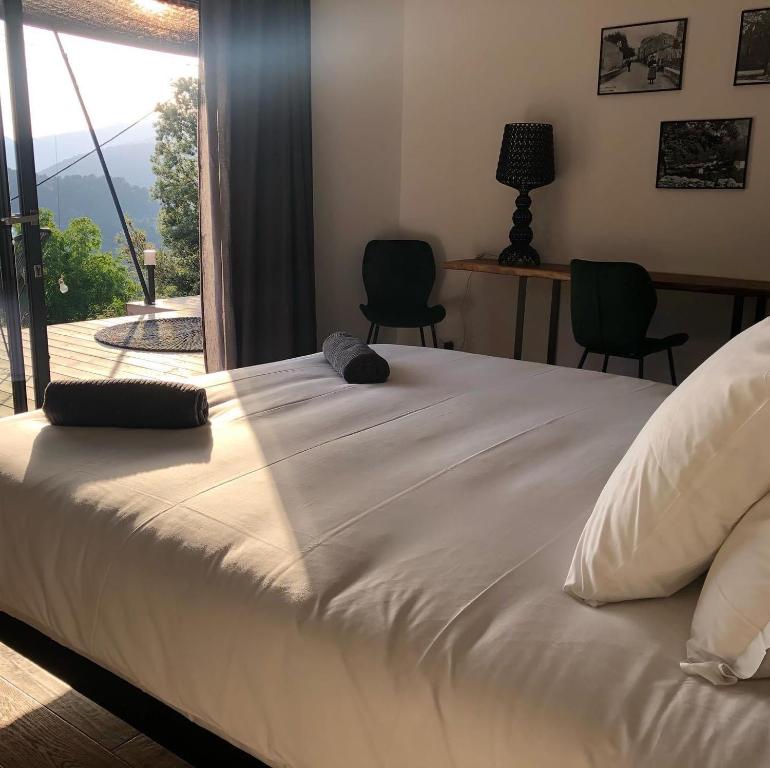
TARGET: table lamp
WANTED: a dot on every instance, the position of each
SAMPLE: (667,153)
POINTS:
(526,163)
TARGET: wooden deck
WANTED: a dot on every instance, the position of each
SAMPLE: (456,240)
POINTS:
(75,354)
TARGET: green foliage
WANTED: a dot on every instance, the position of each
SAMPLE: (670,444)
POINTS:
(72,195)
(99,285)
(175,275)
(175,164)
(140,241)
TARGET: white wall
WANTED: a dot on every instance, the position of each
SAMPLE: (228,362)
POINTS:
(357,95)
(470,67)
(432,82)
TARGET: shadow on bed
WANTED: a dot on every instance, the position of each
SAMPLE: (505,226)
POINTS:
(122,452)
(412,525)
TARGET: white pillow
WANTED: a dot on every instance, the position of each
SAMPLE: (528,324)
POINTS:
(698,464)
(731,626)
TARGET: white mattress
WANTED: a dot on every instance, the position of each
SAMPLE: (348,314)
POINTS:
(353,576)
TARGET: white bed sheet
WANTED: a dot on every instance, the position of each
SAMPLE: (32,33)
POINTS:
(336,576)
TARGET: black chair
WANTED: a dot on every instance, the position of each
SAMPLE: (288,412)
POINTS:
(612,307)
(398,277)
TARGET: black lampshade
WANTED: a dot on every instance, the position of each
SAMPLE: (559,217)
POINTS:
(526,157)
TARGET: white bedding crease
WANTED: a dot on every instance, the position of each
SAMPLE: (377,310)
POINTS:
(347,576)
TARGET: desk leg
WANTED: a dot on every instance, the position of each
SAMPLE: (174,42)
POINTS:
(553,326)
(521,307)
(737,324)
(761,313)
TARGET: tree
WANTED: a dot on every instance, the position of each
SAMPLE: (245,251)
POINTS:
(98,285)
(175,164)
(621,41)
(172,278)
(140,242)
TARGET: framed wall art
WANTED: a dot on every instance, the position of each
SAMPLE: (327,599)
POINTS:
(642,58)
(704,154)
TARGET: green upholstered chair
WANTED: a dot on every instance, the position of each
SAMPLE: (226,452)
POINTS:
(398,277)
(612,307)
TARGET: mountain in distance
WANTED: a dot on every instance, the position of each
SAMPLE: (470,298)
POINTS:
(128,161)
(52,150)
(72,196)
(82,190)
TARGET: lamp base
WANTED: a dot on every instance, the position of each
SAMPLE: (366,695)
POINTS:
(519,255)
(520,252)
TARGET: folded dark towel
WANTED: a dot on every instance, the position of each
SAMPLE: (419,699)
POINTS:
(132,403)
(356,362)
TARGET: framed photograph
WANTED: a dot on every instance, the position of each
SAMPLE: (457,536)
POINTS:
(642,58)
(753,64)
(704,154)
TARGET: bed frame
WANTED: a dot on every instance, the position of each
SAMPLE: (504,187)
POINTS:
(166,726)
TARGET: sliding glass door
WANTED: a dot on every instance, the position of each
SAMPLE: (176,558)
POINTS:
(98,166)
(24,364)
(13,380)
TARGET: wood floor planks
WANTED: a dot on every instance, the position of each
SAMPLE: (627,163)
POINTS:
(77,710)
(46,724)
(75,354)
(32,736)
(141,752)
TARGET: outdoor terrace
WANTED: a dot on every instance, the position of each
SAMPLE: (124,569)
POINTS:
(75,354)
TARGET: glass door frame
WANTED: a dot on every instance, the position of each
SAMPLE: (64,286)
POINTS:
(9,287)
(28,217)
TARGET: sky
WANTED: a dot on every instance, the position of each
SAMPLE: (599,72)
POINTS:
(119,83)
(635,34)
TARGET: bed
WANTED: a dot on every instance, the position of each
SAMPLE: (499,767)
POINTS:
(354,576)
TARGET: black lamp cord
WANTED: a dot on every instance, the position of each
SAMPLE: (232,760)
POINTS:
(466,291)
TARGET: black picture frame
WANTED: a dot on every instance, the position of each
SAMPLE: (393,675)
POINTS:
(666,134)
(765,59)
(602,77)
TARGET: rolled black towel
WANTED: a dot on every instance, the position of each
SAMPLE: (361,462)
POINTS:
(135,403)
(356,362)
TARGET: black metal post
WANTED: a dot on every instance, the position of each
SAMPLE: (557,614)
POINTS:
(553,325)
(113,193)
(9,295)
(761,309)
(737,322)
(151,282)
(28,205)
(671,367)
(521,307)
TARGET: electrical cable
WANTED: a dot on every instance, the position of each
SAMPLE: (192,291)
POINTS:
(58,184)
(462,311)
(465,297)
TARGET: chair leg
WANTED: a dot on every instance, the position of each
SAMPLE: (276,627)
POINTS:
(583,359)
(422,336)
(606,363)
(671,368)
(435,338)
(371,333)
(641,367)
(376,334)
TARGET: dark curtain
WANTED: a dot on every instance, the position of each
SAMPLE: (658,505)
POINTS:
(257,278)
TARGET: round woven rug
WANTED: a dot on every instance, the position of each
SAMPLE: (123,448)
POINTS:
(168,334)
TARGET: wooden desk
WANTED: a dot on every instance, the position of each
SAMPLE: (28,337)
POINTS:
(740,290)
